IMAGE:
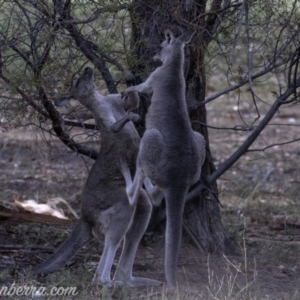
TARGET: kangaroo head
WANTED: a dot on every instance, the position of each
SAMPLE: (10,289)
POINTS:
(172,45)
(82,87)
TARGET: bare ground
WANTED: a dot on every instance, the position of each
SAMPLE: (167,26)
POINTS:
(260,197)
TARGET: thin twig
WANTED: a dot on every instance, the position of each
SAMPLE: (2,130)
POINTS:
(193,238)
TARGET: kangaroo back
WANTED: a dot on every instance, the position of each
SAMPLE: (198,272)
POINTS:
(168,109)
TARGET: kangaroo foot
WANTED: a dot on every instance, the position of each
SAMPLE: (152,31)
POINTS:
(138,282)
(106,283)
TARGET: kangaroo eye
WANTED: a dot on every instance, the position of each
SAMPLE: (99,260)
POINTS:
(168,37)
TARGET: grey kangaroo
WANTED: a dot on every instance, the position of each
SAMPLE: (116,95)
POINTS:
(171,154)
(105,207)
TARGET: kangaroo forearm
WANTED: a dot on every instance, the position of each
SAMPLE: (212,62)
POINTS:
(118,126)
(144,87)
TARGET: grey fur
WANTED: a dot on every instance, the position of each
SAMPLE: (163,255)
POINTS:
(171,154)
(105,207)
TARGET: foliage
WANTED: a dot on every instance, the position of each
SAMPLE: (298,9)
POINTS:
(44,43)
(39,55)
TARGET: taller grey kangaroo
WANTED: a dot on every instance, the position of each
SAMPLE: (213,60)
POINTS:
(171,154)
(105,207)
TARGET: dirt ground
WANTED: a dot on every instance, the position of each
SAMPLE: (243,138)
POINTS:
(261,205)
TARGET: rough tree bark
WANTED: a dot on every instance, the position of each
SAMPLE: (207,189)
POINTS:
(149,20)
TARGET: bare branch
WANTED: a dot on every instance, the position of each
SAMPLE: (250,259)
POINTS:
(81,125)
(26,98)
(213,14)
(54,116)
(245,146)
(87,47)
(22,54)
(239,29)
(272,145)
(238,85)
(50,112)
(96,14)
(235,128)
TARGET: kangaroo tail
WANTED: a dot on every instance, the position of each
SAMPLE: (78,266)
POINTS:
(81,234)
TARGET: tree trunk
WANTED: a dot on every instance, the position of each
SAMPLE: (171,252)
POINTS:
(150,19)
(202,214)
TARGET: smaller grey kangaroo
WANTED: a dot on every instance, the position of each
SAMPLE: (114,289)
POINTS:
(105,207)
(171,154)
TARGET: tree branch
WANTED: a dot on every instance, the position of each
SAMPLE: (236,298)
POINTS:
(85,46)
(58,129)
(96,14)
(236,86)
(26,98)
(213,13)
(50,112)
(245,146)
(54,115)
(81,125)
(273,145)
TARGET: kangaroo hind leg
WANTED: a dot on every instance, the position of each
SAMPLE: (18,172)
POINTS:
(102,275)
(132,238)
(148,164)
(175,198)
(117,220)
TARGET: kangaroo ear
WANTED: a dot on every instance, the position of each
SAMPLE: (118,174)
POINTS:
(186,37)
(169,36)
(88,72)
